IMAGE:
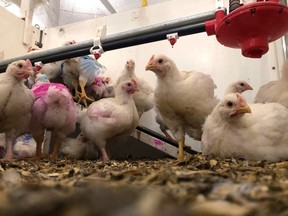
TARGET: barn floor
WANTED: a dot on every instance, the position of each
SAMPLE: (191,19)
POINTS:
(201,186)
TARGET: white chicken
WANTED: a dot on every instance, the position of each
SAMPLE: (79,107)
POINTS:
(275,91)
(235,87)
(254,132)
(16,102)
(238,87)
(144,97)
(111,120)
(184,99)
(79,148)
(51,70)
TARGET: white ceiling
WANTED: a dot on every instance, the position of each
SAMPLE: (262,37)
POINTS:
(52,13)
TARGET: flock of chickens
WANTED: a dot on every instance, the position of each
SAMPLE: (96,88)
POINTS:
(184,103)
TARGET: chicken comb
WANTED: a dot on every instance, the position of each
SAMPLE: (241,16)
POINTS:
(151,59)
(241,100)
(29,49)
(28,64)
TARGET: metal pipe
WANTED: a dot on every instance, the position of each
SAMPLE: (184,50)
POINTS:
(157,36)
(139,36)
(199,18)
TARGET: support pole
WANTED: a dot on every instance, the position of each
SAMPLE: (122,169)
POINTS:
(184,26)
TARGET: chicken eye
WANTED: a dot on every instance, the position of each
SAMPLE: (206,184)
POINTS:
(160,61)
(129,84)
(241,84)
(20,65)
(229,104)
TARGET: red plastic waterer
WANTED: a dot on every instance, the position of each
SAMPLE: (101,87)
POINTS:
(250,27)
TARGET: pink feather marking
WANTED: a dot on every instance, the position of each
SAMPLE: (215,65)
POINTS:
(98,81)
(42,88)
(100,113)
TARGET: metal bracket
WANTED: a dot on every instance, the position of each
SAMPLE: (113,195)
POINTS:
(39,43)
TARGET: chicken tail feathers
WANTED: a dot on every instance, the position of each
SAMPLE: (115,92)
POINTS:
(58,101)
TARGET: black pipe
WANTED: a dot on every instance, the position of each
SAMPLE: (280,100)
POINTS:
(71,52)
(153,37)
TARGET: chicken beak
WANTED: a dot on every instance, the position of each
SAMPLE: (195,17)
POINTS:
(149,67)
(243,109)
(249,88)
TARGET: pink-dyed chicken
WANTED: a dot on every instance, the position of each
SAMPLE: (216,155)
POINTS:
(111,120)
(53,110)
(99,89)
(15,103)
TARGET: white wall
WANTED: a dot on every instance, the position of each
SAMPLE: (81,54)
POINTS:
(198,52)
(11,34)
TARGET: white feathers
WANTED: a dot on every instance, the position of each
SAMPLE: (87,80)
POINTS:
(184,99)
(232,132)
(144,96)
(275,91)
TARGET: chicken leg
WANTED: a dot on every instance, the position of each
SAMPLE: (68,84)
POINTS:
(181,150)
(77,95)
(105,156)
(83,97)
(9,153)
(39,141)
(56,145)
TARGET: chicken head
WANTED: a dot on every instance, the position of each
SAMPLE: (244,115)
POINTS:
(159,64)
(238,87)
(21,69)
(233,105)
